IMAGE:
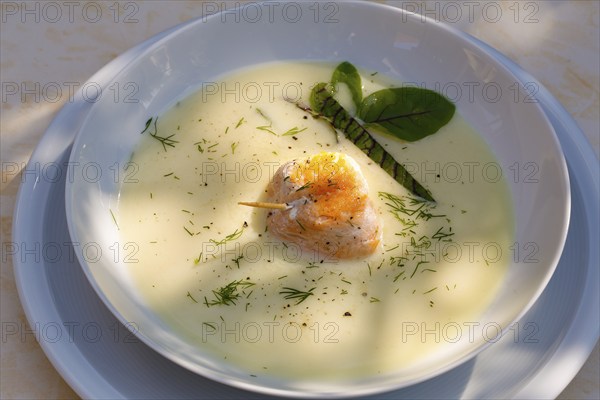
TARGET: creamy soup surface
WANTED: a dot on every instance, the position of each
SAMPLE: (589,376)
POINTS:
(210,269)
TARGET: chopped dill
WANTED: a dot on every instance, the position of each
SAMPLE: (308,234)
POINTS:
(428,270)
(417,267)
(228,294)
(399,276)
(209,325)
(191,297)
(164,140)
(430,290)
(262,114)
(114,219)
(237,260)
(147,125)
(293,131)
(232,236)
(409,206)
(305,186)
(187,230)
(234,146)
(211,148)
(290,132)
(393,248)
(399,261)
(441,235)
(291,293)
(374,300)
(266,128)
(240,122)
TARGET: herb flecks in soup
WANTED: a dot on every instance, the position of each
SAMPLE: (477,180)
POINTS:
(218,276)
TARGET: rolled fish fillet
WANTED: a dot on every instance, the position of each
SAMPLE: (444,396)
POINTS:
(329,211)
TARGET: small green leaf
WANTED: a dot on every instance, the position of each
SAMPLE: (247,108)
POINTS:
(323,103)
(347,73)
(408,113)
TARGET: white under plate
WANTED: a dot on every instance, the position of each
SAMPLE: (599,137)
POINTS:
(100,358)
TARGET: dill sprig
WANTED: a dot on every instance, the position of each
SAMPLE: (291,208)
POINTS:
(291,293)
(399,275)
(210,325)
(262,114)
(400,261)
(232,236)
(300,224)
(293,131)
(269,128)
(417,267)
(164,140)
(419,249)
(237,260)
(114,219)
(410,206)
(266,128)
(441,235)
(191,297)
(228,294)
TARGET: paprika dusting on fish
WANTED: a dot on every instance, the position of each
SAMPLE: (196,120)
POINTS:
(328,207)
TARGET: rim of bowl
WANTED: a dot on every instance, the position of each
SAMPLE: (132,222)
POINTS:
(369,389)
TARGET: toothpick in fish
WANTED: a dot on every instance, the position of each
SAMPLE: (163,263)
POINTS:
(260,204)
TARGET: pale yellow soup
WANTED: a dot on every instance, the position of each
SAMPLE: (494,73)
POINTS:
(417,296)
